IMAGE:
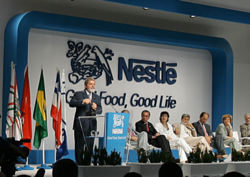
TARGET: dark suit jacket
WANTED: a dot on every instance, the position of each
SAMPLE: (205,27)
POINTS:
(84,109)
(245,132)
(200,131)
(140,127)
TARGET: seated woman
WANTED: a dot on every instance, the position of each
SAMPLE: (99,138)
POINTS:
(225,129)
(166,129)
(187,131)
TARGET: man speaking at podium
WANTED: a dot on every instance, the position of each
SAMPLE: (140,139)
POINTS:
(87,103)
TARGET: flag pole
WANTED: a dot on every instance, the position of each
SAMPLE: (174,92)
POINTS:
(64,101)
(59,115)
(27,166)
(43,152)
(40,115)
(63,96)
(43,165)
(26,115)
(55,153)
(58,105)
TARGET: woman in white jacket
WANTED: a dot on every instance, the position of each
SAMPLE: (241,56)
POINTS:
(166,129)
(187,131)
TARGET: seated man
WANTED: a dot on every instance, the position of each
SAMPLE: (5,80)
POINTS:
(139,140)
(154,138)
(187,131)
(204,129)
(245,131)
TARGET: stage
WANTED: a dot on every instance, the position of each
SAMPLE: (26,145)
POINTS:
(151,169)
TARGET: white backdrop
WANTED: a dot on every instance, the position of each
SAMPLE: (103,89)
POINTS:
(192,90)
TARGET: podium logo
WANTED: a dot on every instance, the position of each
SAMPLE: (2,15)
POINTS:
(88,61)
(118,124)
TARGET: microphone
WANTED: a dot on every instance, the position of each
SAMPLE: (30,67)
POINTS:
(114,108)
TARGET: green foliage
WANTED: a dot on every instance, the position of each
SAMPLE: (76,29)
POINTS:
(103,157)
(100,157)
(199,157)
(195,157)
(142,156)
(155,156)
(87,157)
(208,157)
(167,157)
(96,156)
(114,158)
(239,156)
(247,155)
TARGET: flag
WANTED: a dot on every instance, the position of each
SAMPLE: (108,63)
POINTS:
(56,110)
(63,148)
(39,114)
(26,111)
(14,120)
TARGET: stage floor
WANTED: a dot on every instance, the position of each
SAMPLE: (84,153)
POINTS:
(48,172)
(151,170)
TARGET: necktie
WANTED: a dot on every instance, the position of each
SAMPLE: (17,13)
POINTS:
(90,96)
(204,130)
(147,127)
(132,132)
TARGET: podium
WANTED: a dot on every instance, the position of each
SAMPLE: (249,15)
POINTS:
(115,133)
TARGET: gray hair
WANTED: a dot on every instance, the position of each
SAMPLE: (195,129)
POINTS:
(88,80)
(185,115)
(247,114)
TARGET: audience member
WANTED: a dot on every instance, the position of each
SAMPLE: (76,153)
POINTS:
(245,131)
(233,174)
(204,130)
(225,130)
(132,174)
(166,129)
(2,174)
(40,172)
(170,169)
(9,152)
(187,131)
(154,137)
(65,168)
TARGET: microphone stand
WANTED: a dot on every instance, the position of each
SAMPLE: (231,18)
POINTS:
(83,134)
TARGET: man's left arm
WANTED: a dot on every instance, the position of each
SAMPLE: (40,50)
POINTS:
(99,105)
(243,131)
(208,129)
(153,129)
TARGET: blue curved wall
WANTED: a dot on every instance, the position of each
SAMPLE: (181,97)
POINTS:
(16,49)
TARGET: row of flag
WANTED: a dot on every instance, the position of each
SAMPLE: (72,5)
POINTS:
(19,123)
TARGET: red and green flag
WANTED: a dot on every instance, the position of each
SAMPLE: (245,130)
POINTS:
(39,114)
